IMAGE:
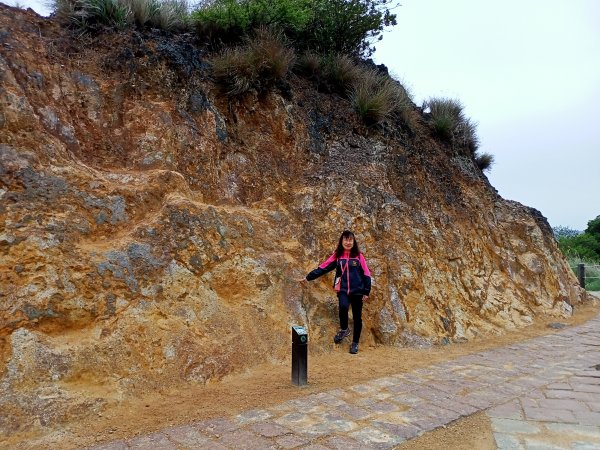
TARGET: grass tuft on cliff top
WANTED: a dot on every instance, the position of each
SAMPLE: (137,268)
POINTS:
(259,63)
(86,15)
(451,125)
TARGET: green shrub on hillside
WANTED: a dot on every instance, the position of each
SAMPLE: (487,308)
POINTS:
(346,26)
(232,20)
(263,60)
(324,26)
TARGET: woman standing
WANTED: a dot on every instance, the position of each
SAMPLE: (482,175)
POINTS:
(352,283)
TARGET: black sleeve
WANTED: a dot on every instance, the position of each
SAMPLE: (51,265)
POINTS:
(367,285)
(321,270)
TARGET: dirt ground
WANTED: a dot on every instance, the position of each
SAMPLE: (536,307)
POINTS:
(269,384)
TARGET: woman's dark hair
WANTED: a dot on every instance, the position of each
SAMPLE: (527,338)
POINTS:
(354,251)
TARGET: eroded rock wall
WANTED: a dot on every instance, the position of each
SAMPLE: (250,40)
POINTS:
(152,228)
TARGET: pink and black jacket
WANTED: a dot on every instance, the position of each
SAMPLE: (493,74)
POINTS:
(353,274)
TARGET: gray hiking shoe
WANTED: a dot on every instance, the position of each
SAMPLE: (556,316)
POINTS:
(354,348)
(341,335)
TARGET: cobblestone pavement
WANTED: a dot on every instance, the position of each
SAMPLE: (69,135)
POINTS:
(540,394)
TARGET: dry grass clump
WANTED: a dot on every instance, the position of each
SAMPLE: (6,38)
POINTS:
(341,72)
(309,65)
(375,97)
(484,161)
(263,60)
(450,123)
(89,14)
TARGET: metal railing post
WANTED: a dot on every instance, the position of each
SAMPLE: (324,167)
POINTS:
(581,274)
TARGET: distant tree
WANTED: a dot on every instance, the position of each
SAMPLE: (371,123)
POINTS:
(593,227)
(585,245)
(561,231)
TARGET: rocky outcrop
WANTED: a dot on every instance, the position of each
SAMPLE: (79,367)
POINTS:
(152,228)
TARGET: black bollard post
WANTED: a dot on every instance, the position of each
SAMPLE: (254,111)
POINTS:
(299,356)
(581,274)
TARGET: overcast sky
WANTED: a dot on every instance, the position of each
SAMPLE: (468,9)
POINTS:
(528,71)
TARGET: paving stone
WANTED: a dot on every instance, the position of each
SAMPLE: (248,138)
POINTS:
(594,406)
(512,426)
(550,415)
(449,388)
(461,408)
(245,440)
(337,392)
(375,438)
(589,380)
(582,387)
(535,444)
(426,423)
(366,401)
(253,415)
(571,405)
(364,389)
(510,410)
(115,445)
(588,418)
(581,430)
(528,402)
(328,427)
(405,399)
(315,447)
(431,394)
(211,445)
(585,445)
(331,415)
(507,442)
(329,399)
(186,435)
(404,431)
(385,382)
(295,419)
(354,412)
(443,414)
(268,429)
(345,443)
(382,395)
(560,386)
(215,427)
(477,400)
(585,396)
(383,407)
(153,441)
(412,379)
(291,441)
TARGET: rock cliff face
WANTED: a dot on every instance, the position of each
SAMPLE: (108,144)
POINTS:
(152,229)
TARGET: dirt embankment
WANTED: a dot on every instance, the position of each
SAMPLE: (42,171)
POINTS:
(152,227)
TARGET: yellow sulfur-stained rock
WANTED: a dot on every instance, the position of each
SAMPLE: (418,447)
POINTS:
(152,229)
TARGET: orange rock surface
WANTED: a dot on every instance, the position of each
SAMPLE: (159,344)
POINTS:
(152,228)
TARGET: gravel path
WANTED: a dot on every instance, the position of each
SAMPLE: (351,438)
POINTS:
(540,394)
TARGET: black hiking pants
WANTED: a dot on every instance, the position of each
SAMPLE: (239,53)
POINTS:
(356,301)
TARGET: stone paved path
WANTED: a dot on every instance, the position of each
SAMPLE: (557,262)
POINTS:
(540,394)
